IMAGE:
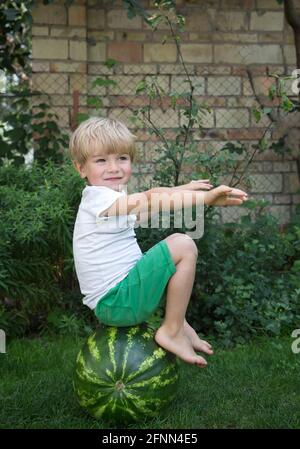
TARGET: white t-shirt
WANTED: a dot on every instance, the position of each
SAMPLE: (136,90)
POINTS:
(104,248)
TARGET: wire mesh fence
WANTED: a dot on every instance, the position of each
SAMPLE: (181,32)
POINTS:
(230,94)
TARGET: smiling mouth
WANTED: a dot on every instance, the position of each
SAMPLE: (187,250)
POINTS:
(112,179)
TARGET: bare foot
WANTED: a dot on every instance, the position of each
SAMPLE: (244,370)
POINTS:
(180,345)
(197,343)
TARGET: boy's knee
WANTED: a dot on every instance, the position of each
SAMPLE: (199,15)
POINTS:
(184,242)
(191,245)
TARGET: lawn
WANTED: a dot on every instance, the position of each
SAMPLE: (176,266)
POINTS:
(250,386)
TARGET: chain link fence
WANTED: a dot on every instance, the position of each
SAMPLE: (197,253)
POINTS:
(230,93)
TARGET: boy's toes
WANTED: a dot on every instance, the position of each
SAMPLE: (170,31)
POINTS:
(207,348)
(207,344)
(200,361)
(202,347)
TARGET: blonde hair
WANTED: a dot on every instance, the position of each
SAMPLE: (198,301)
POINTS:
(101,135)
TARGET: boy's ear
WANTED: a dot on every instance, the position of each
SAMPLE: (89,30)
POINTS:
(79,168)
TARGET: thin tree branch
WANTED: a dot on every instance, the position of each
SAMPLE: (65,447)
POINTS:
(292,14)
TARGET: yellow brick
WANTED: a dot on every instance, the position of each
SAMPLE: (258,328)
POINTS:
(236,37)
(289,37)
(78,50)
(160,53)
(197,52)
(97,52)
(117,18)
(61,100)
(77,15)
(43,48)
(248,54)
(78,82)
(232,118)
(200,20)
(126,85)
(165,119)
(267,21)
(38,66)
(49,14)
(101,36)
(231,20)
(68,32)
(50,83)
(133,69)
(268,4)
(73,67)
(224,85)
(290,54)
(123,114)
(40,31)
(96,19)
(131,36)
(270,37)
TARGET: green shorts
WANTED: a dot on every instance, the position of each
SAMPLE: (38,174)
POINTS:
(134,299)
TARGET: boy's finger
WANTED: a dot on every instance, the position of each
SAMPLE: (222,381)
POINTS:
(200,180)
(233,201)
(238,192)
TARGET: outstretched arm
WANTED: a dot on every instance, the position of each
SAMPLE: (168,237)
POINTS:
(171,198)
(200,184)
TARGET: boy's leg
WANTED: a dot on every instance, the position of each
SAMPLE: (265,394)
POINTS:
(175,334)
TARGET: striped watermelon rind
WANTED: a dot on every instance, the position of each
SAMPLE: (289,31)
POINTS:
(122,375)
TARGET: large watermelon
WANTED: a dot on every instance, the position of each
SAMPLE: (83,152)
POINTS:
(122,375)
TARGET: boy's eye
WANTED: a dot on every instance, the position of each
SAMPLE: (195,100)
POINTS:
(123,158)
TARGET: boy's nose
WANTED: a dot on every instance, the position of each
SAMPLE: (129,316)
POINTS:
(112,166)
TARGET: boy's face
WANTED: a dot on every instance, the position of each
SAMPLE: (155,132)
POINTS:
(109,170)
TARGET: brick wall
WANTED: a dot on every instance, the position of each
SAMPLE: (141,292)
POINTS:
(224,41)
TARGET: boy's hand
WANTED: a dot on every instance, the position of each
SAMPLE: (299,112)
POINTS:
(225,196)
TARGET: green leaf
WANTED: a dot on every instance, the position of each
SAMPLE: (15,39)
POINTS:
(233,148)
(155,20)
(131,13)
(263,144)
(287,104)
(245,219)
(267,110)
(10,14)
(141,87)
(4,148)
(18,160)
(82,116)
(110,63)
(15,134)
(296,267)
(272,92)
(279,147)
(96,102)
(39,115)
(103,82)
(256,114)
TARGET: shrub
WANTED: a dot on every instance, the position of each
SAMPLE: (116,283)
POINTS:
(247,280)
(37,211)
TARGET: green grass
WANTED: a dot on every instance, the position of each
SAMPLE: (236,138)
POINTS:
(251,386)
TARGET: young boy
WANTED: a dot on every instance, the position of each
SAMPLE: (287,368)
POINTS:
(122,285)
